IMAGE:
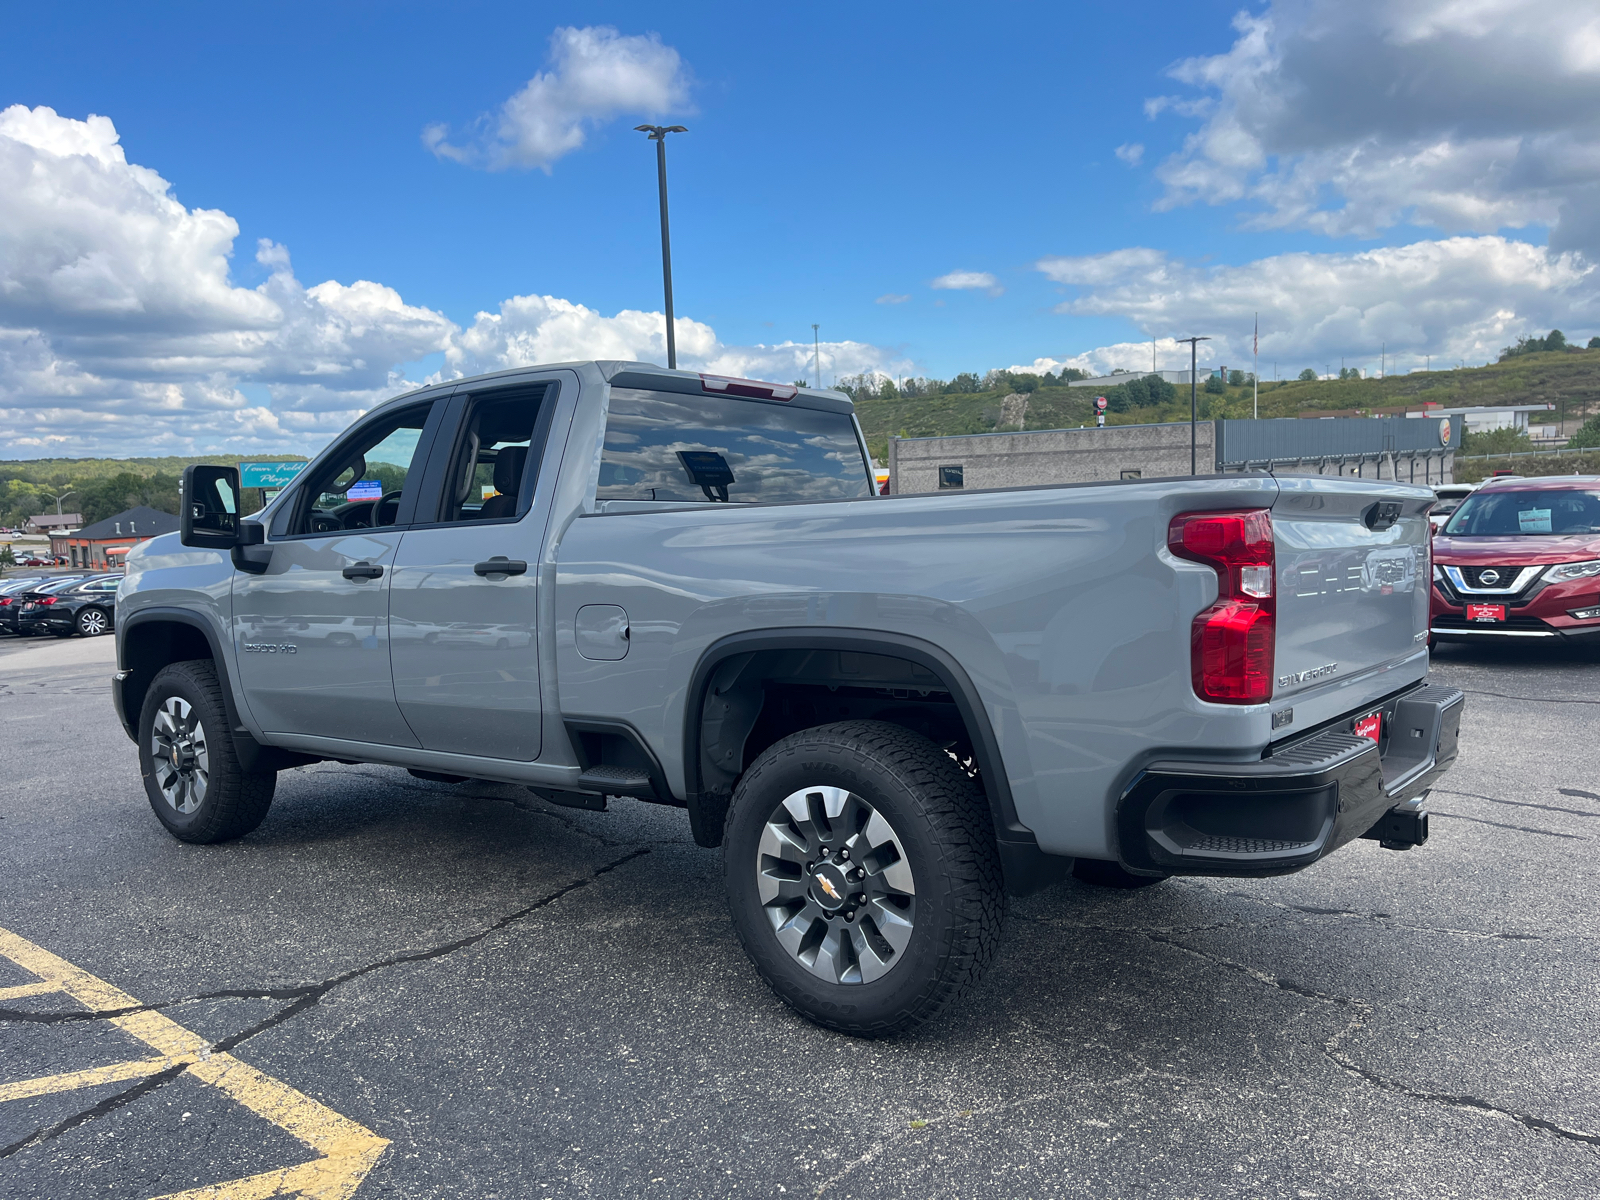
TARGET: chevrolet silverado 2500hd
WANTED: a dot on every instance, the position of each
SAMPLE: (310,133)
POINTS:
(606,579)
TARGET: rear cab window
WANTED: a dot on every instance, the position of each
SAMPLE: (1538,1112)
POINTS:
(683,448)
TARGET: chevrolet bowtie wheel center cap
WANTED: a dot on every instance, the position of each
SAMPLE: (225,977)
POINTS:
(829,887)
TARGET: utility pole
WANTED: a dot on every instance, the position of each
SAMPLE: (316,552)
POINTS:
(1194,399)
(658,135)
(816,350)
(1383,360)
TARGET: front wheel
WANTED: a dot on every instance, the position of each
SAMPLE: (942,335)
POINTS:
(863,876)
(191,770)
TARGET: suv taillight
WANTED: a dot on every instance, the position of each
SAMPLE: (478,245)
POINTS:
(1232,641)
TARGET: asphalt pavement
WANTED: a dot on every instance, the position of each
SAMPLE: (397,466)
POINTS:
(421,990)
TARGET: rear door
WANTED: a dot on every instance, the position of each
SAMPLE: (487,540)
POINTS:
(312,630)
(464,602)
(1352,580)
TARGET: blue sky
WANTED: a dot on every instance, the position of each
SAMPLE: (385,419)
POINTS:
(839,157)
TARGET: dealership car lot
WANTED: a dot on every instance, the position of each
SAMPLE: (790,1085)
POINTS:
(522,1000)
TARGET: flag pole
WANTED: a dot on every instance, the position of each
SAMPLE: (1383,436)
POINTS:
(1256,374)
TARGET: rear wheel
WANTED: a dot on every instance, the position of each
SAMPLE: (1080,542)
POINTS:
(863,876)
(92,622)
(191,771)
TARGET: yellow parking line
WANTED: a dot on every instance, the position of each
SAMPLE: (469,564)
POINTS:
(346,1151)
(44,1085)
(42,988)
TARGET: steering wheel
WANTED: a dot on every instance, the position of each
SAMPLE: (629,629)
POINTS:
(377,509)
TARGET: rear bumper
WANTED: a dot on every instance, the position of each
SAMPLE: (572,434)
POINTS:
(1285,812)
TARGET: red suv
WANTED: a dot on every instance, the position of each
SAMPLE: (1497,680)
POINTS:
(1520,559)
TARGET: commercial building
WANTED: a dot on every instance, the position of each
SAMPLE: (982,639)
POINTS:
(104,545)
(1365,447)
(1111,381)
(52,523)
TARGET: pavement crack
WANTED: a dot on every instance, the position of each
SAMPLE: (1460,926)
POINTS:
(95,1111)
(1575,837)
(1579,792)
(314,993)
(1576,812)
(305,997)
(1359,1011)
(1539,699)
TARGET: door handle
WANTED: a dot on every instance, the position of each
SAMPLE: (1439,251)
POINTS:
(501,565)
(362,570)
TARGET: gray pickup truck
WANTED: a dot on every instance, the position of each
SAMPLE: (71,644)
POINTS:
(605,579)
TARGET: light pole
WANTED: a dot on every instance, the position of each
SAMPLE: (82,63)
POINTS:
(658,135)
(1194,398)
(816,350)
(59,499)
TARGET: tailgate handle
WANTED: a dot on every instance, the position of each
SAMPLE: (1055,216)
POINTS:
(362,570)
(501,565)
(1381,514)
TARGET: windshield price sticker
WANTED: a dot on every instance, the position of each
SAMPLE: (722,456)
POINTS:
(1486,612)
(1369,726)
(1534,520)
(365,489)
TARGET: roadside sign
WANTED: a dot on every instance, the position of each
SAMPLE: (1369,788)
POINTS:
(268,474)
(1100,403)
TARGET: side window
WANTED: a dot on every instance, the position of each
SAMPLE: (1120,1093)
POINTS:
(672,446)
(492,472)
(361,484)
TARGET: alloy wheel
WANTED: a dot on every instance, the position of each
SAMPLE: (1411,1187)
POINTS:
(91,622)
(836,885)
(182,760)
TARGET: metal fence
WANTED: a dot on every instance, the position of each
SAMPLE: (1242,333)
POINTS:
(1528,453)
(1333,439)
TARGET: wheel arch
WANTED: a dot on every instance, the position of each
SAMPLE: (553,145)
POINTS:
(722,663)
(156,637)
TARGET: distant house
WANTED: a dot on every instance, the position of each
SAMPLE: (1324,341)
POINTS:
(52,523)
(105,544)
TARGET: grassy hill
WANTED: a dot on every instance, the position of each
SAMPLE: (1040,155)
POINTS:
(1568,379)
(103,487)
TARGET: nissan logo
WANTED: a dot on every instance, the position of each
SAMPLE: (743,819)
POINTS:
(1489,578)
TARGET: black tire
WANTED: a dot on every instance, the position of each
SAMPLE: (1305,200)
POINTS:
(231,801)
(92,622)
(941,827)
(1110,874)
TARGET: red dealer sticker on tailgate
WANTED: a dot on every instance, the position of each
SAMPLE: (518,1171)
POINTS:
(1486,612)
(1369,726)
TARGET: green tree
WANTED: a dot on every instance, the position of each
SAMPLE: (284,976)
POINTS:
(1588,433)
(1555,340)
(1496,441)
(1071,374)
(1307,376)
(1594,343)
(964,384)
(1215,386)
(1236,379)
(7,558)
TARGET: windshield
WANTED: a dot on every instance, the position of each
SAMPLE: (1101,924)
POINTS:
(1519,513)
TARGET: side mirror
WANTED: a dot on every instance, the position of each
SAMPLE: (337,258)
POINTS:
(208,508)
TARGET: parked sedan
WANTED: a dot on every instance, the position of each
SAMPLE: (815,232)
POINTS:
(11,597)
(1520,559)
(81,606)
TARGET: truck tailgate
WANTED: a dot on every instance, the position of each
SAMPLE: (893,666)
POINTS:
(1353,564)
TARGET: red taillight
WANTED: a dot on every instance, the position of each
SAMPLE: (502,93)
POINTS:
(1232,641)
(753,388)
(44,600)
(4,601)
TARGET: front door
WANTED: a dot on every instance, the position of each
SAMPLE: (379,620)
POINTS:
(463,606)
(312,630)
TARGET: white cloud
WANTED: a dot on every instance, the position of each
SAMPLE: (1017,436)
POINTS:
(892,298)
(123,333)
(1131,153)
(1462,297)
(1123,356)
(595,74)
(1350,116)
(956,281)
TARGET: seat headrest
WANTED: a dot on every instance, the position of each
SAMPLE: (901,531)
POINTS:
(508,465)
